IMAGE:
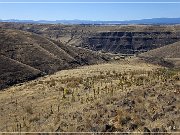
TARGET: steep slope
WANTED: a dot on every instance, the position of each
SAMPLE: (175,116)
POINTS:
(130,42)
(169,53)
(32,50)
(15,72)
(41,54)
(84,56)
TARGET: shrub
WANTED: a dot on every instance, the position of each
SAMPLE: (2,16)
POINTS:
(34,119)
(29,109)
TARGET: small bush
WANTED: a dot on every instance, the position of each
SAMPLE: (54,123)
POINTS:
(29,109)
(34,119)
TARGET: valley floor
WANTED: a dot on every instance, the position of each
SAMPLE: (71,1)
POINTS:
(126,96)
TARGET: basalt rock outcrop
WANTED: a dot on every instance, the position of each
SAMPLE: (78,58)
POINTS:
(129,42)
(106,38)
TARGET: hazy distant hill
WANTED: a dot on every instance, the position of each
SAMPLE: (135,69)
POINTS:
(143,21)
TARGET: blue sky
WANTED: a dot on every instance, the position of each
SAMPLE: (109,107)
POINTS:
(88,11)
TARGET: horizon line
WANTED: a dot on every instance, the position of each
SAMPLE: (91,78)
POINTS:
(88,2)
(36,20)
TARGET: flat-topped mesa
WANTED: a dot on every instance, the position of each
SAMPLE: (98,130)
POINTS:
(129,42)
(125,39)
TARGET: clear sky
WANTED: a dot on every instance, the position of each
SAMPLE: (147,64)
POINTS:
(92,11)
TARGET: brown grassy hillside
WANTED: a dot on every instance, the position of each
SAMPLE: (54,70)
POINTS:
(13,72)
(40,54)
(125,96)
(169,53)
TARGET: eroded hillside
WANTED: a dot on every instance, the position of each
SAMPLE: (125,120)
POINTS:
(114,39)
(38,56)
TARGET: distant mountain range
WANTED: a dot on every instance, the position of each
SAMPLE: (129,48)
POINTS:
(143,21)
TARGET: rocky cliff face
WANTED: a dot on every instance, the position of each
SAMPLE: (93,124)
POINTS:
(112,38)
(129,42)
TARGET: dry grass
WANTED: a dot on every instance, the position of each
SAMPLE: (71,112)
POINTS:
(129,95)
(25,56)
(166,55)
